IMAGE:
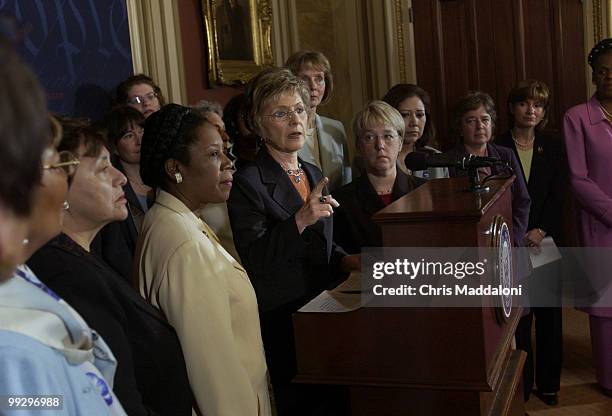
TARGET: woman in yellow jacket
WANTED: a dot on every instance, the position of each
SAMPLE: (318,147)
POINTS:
(184,271)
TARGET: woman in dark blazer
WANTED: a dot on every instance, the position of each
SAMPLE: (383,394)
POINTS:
(541,158)
(151,377)
(282,223)
(474,122)
(380,132)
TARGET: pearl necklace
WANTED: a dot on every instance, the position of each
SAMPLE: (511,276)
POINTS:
(523,146)
(295,173)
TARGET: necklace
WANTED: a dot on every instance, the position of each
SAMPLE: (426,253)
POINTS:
(522,146)
(295,173)
(384,192)
(606,113)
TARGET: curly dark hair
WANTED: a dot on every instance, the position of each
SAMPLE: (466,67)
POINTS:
(168,134)
(25,128)
(398,93)
(118,121)
(124,88)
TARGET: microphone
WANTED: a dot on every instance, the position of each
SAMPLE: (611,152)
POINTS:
(421,161)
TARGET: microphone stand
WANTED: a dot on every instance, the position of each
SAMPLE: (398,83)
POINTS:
(475,185)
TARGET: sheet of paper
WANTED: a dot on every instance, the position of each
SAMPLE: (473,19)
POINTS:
(336,302)
(351,285)
(549,253)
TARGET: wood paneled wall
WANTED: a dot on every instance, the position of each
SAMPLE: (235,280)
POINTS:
(491,45)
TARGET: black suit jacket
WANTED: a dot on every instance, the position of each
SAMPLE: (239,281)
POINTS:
(287,269)
(547,180)
(353,225)
(151,376)
(520,196)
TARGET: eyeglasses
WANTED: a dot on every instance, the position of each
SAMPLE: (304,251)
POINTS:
(142,99)
(286,115)
(370,138)
(68,163)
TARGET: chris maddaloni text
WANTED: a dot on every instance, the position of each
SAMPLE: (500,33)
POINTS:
(444,290)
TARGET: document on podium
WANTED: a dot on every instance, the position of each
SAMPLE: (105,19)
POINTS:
(345,297)
(548,253)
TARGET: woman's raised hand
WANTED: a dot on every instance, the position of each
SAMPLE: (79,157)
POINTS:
(316,206)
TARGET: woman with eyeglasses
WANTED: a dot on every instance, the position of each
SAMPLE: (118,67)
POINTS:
(325,142)
(185,272)
(116,243)
(151,377)
(45,346)
(379,129)
(281,217)
(140,92)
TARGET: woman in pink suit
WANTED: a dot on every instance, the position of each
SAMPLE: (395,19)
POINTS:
(588,137)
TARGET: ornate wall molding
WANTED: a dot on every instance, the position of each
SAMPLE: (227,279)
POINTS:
(401,48)
(597,25)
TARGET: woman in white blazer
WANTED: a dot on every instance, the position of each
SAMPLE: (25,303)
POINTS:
(184,271)
(326,145)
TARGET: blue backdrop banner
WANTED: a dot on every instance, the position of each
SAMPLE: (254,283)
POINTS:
(80,50)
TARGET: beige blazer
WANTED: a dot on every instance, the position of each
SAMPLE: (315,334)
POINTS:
(217,218)
(208,298)
(333,151)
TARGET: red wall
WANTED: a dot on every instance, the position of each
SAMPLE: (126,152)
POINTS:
(195,57)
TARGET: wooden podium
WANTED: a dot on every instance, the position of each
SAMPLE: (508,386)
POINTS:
(422,361)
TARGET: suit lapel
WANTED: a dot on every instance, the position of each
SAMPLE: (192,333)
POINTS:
(538,163)
(280,189)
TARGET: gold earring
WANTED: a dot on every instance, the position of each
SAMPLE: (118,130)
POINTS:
(178,177)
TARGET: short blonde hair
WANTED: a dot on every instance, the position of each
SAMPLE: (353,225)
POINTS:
(316,60)
(377,113)
(268,86)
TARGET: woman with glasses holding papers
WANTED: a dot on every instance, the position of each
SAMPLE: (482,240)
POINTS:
(281,217)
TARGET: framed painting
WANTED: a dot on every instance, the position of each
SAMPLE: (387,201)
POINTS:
(239,39)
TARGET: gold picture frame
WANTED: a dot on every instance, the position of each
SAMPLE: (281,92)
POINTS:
(239,34)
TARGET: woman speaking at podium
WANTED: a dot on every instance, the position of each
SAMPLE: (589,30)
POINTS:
(281,217)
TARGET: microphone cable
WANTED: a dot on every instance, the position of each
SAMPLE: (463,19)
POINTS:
(498,176)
